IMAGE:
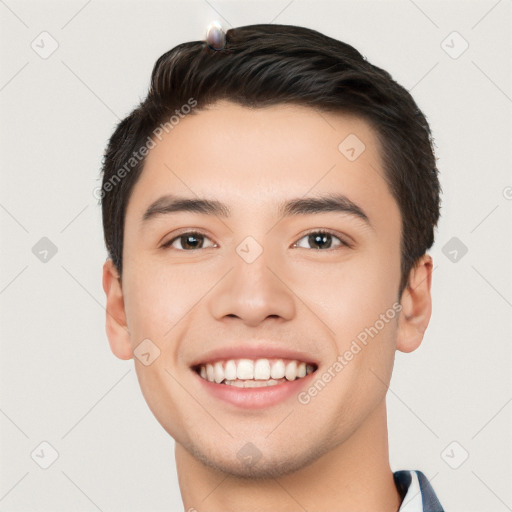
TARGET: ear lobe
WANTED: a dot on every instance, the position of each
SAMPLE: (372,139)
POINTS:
(116,327)
(416,304)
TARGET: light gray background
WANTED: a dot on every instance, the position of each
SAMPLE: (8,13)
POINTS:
(59,381)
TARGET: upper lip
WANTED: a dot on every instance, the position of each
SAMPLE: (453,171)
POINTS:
(253,351)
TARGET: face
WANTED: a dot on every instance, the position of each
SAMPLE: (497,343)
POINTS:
(259,282)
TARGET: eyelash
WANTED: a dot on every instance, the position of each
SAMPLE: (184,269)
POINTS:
(343,243)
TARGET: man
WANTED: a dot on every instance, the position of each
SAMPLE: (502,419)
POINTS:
(267,211)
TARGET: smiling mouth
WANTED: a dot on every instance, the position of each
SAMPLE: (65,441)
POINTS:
(254,373)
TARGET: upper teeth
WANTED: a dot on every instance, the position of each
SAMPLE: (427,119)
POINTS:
(259,369)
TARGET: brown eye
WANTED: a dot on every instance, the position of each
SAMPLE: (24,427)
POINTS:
(320,240)
(188,242)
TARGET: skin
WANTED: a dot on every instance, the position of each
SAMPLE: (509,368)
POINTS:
(331,454)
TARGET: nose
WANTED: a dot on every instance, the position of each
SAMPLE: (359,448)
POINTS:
(253,292)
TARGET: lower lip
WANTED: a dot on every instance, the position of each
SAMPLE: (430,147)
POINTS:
(256,398)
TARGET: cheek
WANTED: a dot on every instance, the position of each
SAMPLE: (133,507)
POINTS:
(366,329)
(156,298)
(165,397)
(144,307)
(367,324)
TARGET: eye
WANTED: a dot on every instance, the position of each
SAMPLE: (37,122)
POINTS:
(189,241)
(320,240)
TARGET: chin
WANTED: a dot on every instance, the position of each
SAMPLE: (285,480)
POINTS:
(265,465)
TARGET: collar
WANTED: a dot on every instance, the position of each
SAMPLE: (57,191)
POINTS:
(416,491)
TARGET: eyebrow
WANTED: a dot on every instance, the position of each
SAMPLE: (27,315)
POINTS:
(169,204)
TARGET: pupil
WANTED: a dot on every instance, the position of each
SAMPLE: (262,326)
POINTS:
(320,239)
(188,240)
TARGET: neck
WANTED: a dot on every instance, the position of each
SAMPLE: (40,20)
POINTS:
(354,476)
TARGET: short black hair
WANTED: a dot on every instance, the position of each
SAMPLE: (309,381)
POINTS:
(265,65)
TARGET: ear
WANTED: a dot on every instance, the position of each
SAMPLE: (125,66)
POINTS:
(117,330)
(416,304)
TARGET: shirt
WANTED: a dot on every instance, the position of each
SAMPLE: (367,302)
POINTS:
(416,492)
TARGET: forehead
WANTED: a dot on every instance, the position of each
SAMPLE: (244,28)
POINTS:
(251,156)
